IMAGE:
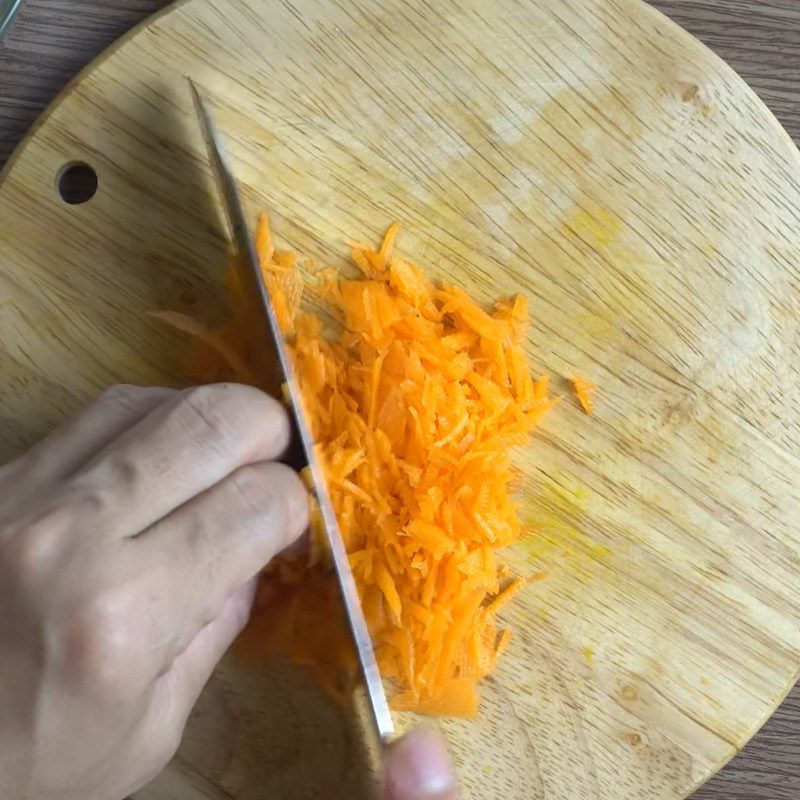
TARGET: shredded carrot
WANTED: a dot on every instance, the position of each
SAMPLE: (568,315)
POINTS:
(506,596)
(456,697)
(585,392)
(502,645)
(415,395)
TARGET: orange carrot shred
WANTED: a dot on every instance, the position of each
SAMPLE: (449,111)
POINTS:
(585,392)
(264,246)
(455,698)
(502,645)
(505,597)
(415,394)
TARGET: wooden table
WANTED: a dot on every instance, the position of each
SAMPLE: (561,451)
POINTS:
(53,39)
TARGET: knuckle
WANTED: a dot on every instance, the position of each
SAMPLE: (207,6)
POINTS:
(89,502)
(206,408)
(117,392)
(295,496)
(133,400)
(125,473)
(90,497)
(29,554)
(122,396)
(198,537)
(274,493)
(259,487)
(277,418)
(222,413)
(98,646)
(274,409)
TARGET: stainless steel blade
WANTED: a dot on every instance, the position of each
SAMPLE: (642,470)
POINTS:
(8,10)
(379,706)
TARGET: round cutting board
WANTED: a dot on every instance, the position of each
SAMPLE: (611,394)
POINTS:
(585,152)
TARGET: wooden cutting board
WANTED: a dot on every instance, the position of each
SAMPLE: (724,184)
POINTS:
(586,152)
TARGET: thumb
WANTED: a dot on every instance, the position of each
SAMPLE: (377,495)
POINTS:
(418,768)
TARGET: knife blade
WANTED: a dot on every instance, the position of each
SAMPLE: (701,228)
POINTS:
(251,272)
(8,10)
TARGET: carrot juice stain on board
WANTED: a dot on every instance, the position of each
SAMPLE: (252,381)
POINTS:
(557,517)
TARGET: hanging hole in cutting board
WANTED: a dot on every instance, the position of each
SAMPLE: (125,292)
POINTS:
(77,183)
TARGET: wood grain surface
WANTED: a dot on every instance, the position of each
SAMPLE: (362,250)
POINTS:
(760,39)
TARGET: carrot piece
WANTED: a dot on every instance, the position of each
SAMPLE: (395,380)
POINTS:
(506,596)
(585,392)
(502,645)
(387,586)
(264,246)
(388,241)
(457,697)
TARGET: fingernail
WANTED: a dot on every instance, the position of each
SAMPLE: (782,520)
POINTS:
(418,768)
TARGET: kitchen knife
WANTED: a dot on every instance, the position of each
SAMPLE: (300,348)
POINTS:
(274,339)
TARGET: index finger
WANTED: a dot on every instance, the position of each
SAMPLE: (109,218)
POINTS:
(204,552)
(180,450)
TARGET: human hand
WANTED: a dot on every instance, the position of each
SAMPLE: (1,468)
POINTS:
(418,768)
(129,544)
